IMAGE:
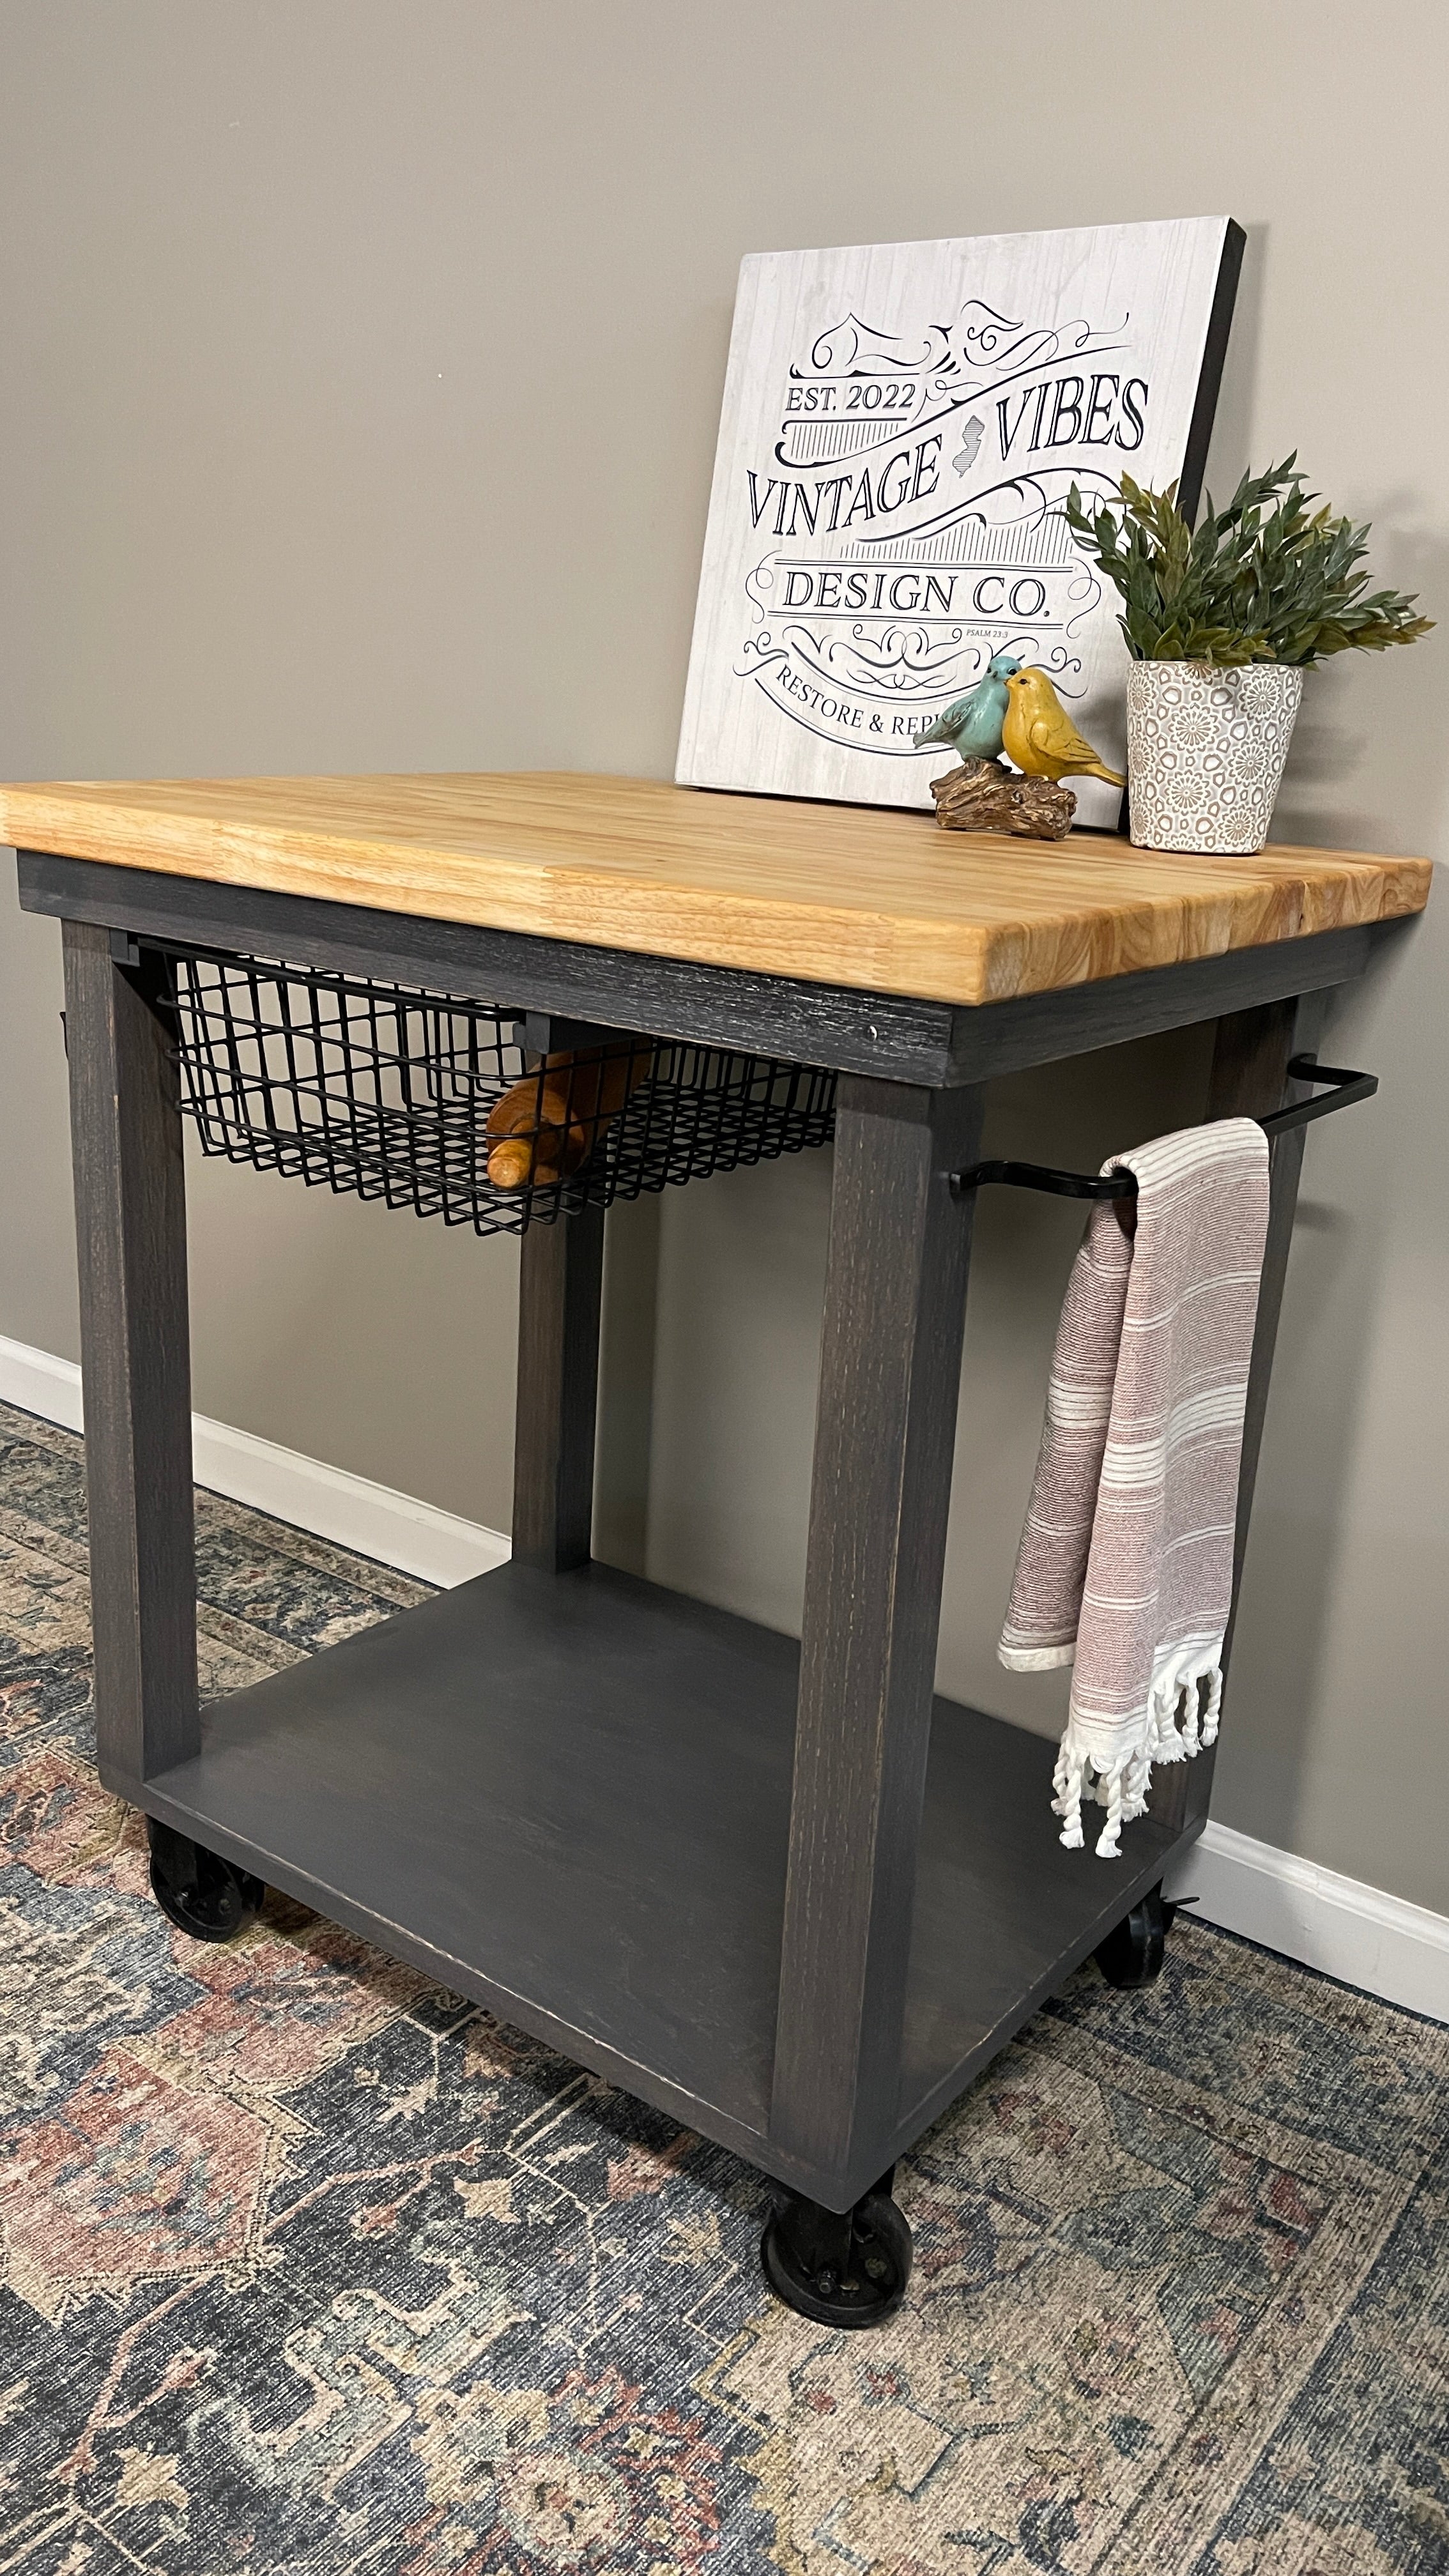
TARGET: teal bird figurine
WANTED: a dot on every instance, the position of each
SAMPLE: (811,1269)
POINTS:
(972,727)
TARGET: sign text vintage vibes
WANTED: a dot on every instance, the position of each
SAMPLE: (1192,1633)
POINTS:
(900,425)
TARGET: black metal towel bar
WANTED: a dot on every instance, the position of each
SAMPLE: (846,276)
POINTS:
(1345,1088)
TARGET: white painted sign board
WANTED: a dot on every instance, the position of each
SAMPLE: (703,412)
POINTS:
(900,426)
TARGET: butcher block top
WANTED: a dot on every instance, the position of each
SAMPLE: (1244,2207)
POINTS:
(833,894)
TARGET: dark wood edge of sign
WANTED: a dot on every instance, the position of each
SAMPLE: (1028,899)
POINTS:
(1209,386)
(1210,376)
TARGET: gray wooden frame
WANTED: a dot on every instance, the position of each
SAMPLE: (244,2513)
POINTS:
(130,1200)
(890,1365)
(560,1294)
(882,1033)
(751,1883)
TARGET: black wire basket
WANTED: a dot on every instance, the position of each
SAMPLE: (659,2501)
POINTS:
(430,1102)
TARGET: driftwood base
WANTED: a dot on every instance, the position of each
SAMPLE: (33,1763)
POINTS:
(986,796)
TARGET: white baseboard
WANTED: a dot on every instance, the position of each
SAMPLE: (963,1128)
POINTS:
(397,1529)
(1335,1924)
(1368,1939)
(40,1383)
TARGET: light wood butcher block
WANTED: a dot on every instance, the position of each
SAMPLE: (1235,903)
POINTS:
(832,894)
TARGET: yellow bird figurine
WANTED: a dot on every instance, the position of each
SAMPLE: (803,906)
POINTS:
(1039,736)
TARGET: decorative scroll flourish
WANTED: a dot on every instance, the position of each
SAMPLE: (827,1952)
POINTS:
(853,347)
(988,350)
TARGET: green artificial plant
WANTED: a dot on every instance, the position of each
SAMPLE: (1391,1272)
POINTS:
(1268,579)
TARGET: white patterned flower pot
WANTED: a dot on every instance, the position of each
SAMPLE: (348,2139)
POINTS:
(1205,752)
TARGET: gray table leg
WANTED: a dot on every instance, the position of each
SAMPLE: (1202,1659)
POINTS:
(1251,1055)
(560,1284)
(131,1240)
(885,1435)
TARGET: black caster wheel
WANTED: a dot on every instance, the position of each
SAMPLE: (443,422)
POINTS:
(1132,1953)
(840,2268)
(197,1890)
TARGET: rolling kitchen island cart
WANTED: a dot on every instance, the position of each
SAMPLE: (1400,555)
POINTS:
(773,1890)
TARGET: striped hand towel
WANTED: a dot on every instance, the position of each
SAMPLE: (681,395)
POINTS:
(1126,1562)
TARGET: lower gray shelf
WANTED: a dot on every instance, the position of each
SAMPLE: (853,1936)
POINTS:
(568,1796)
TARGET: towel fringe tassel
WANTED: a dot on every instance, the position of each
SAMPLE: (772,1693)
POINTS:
(1181,1721)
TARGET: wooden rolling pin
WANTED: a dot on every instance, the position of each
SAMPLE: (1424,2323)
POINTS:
(548,1124)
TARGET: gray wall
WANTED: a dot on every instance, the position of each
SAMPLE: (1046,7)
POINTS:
(362,369)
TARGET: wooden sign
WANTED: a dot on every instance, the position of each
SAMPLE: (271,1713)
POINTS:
(900,427)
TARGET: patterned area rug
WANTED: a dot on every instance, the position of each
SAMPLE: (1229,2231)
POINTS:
(312,2269)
